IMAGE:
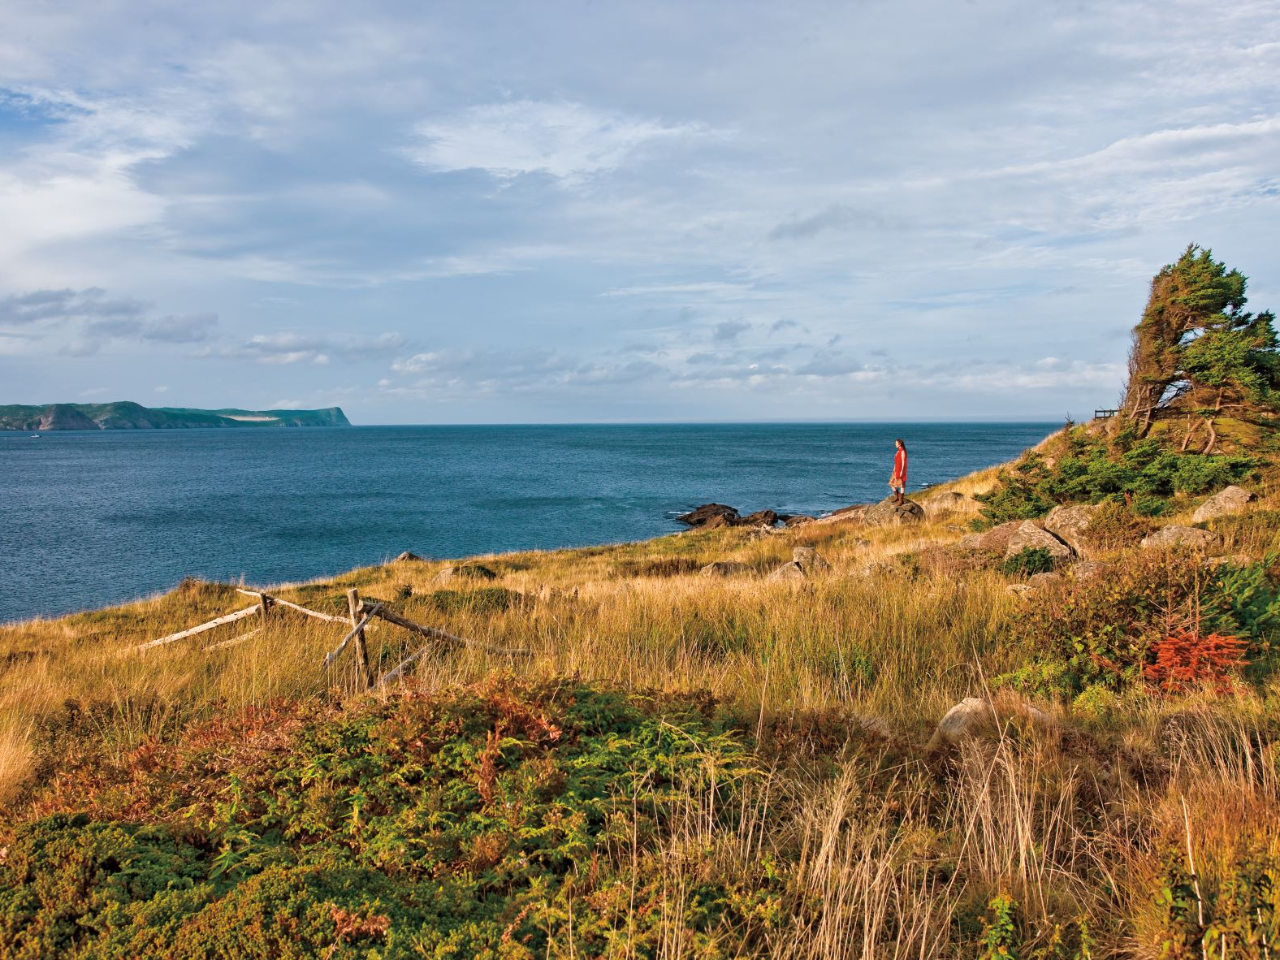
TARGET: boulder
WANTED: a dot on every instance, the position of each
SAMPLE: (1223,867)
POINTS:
(788,571)
(761,518)
(724,568)
(1044,579)
(1031,536)
(1069,523)
(1089,569)
(702,516)
(809,560)
(971,717)
(406,556)
(889,512)
(1231,500)
(797,519)
(1176,536)
(465,571)
(996,540)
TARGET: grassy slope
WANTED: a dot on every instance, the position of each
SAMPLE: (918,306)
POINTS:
(833,685)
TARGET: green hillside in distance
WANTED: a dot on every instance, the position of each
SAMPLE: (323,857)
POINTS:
(126,415)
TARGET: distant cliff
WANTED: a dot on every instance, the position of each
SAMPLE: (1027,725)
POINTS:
(125,415)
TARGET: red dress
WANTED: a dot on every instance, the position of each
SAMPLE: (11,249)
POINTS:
(900,467)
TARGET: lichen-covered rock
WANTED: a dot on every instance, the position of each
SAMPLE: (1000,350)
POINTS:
(788,571)
(1233,499)
(810,560)
(889,511)
(971,717)
(1044,579)
(1069,523)
(996,540)
(1031,536)
(1176,536)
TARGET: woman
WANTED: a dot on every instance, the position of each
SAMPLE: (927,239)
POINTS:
(898,482)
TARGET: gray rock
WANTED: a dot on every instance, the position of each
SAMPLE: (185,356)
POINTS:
(1089,569)
(970,718)
(788,571)
(1031,536)
(1069,523)
(1176,536)
(465,571)
(1231,500)
(889,512)
(1044,579)
(723,568)
(997,538)
(406,556)
(810,560)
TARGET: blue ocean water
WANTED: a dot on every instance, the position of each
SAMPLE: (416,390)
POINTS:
(95,518)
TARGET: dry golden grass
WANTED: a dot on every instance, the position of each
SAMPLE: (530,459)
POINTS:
(902,649)
(1076,821)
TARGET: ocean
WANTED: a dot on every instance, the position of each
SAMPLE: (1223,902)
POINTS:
(94,518)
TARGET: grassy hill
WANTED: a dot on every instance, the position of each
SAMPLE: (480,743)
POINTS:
(126,415)
(686,764)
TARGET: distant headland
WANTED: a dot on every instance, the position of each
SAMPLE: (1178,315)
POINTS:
(126,415)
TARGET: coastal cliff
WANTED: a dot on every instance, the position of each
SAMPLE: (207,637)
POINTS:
(126,415)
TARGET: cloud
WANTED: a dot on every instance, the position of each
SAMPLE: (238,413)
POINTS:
(66,306)
(561,139)
(837,216)
(285,348)
(729,331)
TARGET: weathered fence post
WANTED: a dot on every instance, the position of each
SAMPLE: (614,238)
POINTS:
(264,604)
(362,654)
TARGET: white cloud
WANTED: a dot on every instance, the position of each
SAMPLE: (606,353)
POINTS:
(563,140)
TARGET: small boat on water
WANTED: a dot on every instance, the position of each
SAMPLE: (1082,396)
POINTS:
(35,436)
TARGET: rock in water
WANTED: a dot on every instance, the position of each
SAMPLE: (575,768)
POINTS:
(970,718)
(702,516)
(1030,536)
(1176,536)
(1070,523)
(889,511)
(1231,500)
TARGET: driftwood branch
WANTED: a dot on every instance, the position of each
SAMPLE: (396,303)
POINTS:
(182,635)
(369,614)
(272,601)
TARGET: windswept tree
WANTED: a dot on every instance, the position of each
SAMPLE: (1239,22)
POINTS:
(1198,353)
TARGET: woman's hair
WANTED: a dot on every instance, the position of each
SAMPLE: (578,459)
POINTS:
(901,444)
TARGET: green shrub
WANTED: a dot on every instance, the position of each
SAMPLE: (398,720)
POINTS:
(1101,631)
(1091,470)
(500,820)
(1029,561)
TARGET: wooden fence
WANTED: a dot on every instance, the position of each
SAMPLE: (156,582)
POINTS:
(360,614)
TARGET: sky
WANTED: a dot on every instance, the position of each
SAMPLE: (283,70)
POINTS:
(619,211)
